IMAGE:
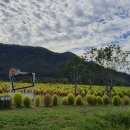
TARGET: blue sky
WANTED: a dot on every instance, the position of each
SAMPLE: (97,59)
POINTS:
(65,25)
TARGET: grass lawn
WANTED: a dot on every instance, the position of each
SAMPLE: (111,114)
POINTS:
(66,118)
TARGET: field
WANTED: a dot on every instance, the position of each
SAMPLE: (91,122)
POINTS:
(63,89)
(67,117)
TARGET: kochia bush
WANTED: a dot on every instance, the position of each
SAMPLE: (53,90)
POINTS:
(116,100)
(126,100)
(37,101)
(106,100)
(47,100)
(99,100)
(78,100)
(91,100)
(64,101)
(70,99)
(27,101)
(55,100)
(18,99)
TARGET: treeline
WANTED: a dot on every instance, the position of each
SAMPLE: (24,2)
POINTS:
(100,66)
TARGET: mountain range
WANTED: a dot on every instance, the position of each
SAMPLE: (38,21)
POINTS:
(45,63)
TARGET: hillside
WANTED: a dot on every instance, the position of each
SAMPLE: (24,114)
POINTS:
(43,62)
(46,64)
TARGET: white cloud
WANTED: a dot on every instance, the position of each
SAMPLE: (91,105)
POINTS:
(65,25)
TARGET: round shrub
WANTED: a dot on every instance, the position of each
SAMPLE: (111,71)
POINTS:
(116,100)
(91,99)
(27,101)
(18,99)
(37,101)
(126,100)
(99,100)
(47,100)
(106,100)
(55,100)
(70,99)
(79,100)
(64,101)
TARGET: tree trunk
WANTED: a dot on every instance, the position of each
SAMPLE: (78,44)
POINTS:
(75,81)
(111,93)
(75,89)
(107,90)
(91,88)
(111,87)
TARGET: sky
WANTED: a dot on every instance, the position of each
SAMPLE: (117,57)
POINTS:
(65,25)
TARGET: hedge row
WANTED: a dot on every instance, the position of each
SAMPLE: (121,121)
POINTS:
(49,100)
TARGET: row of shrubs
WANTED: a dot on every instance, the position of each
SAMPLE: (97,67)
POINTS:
(116,100)
(93,100)
(71,100)
(6,101)
(82,92)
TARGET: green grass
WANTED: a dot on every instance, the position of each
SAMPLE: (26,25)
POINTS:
(66,118)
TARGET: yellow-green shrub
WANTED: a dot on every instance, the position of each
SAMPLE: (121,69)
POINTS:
(18,99)
(106,100)
(70,99)
(91,100)
(116,100)
(55,100)
(99,100)
(47,100)
(126,100)
(37,101)
(64,101)
(27,101)
(78,100)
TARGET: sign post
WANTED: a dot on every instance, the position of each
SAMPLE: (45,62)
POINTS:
(14,73)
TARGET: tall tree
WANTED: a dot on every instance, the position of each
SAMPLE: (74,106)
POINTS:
(73,69)
(111,57)
(92,68)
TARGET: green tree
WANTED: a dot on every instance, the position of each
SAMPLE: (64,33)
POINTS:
(73,68)
(92,68)
(111,57)
(90,75)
